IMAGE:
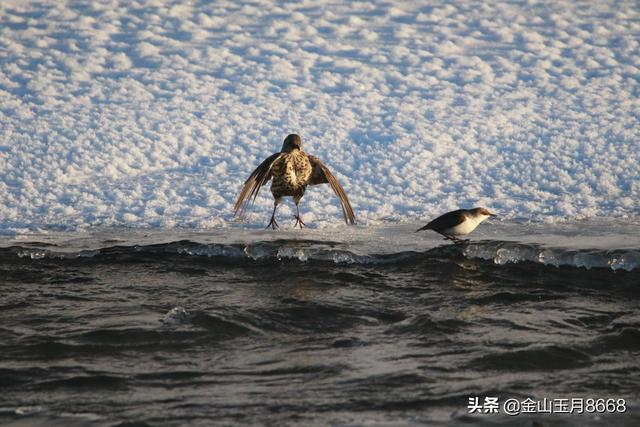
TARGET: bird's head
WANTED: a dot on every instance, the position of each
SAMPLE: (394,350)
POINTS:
(291,142)
(482,212)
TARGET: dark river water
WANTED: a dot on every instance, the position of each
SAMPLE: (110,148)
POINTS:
(222,329)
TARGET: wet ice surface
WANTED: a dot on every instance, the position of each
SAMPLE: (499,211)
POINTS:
(597,243)
(348,326)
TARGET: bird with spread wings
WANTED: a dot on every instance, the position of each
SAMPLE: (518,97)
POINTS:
(290,171)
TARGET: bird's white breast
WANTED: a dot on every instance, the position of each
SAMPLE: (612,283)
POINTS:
(466,226)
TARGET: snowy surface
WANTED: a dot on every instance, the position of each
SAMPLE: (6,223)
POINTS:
(152,113)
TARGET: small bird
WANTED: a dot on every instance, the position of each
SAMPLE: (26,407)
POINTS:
(291,170)
(458,223)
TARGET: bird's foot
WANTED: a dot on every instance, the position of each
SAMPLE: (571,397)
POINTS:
(299,222)
(454,239)
(273,224)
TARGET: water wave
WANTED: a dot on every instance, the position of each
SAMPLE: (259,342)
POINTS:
(496,251)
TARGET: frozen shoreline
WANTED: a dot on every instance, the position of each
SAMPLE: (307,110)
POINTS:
(613,244)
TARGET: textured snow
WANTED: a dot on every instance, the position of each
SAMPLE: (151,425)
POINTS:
(153,113)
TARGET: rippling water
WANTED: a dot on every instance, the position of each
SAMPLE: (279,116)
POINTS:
(376,326)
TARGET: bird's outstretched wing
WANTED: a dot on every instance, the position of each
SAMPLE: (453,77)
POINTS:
(257,179)
(320,174)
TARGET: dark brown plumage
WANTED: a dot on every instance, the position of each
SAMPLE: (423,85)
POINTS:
(458,223)
(290,171)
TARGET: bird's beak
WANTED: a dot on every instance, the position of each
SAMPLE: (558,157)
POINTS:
(492,214)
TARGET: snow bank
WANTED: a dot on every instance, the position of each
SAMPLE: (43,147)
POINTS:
(152,113)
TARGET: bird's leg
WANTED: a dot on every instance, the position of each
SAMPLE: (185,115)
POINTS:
(299,218)
(273,224)
(457,241)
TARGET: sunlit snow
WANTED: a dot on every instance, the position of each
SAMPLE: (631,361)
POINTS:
(152,113)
